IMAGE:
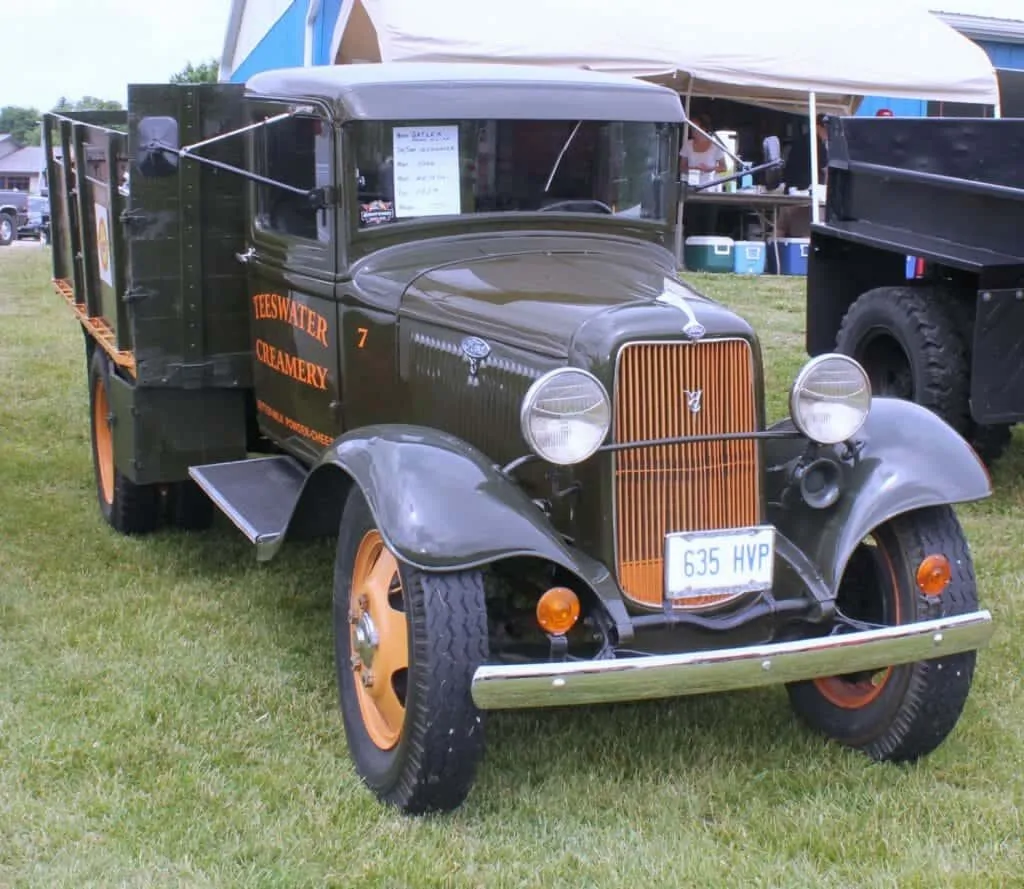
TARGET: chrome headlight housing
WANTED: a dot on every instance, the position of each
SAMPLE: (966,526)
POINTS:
(565,416)
(830,398)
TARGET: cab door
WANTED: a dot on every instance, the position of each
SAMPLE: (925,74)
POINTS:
(292,281)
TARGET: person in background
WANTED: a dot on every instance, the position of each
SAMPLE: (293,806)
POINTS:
(771,150)
(884,112)
(797,171)
(701,153)
(795,222)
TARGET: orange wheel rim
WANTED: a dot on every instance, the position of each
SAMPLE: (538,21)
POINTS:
(379,640)
(850,694)
(853,695)
(104,442)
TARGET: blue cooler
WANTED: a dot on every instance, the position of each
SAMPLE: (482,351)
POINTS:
(708,253)
(793,254)
(748,257)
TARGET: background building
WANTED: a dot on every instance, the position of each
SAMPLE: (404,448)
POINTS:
(997,26)
(20,166)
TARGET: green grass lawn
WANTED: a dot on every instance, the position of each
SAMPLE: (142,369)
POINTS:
(168,712)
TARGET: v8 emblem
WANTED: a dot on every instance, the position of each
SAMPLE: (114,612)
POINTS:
(693,398)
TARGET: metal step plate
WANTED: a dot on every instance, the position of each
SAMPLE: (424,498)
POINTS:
(258,495)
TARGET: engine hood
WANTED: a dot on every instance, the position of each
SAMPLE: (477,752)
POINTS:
(541,292)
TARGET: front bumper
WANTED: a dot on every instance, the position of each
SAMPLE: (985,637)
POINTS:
(726,669)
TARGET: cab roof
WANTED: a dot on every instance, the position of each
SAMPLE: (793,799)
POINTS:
(460,91)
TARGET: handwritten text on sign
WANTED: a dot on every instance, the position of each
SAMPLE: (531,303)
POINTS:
(427,171)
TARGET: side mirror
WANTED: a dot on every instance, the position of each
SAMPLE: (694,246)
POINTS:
(156,155)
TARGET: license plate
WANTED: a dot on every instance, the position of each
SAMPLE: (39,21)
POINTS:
(701,563)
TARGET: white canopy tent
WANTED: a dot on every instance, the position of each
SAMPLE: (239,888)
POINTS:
(776,54)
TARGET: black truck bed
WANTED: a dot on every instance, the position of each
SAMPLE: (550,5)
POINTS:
(950,190)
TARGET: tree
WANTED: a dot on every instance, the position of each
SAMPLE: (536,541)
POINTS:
(21,123)
(204,72)
(87,103)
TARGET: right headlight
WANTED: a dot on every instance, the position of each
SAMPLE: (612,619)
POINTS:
(565,416)
(830,398)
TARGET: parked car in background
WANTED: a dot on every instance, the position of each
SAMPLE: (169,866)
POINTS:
(37,224)
(13,214)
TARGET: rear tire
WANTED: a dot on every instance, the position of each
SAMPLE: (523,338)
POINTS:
(127,507)
(914,345)
(407,643)
(902,712)
(8,229)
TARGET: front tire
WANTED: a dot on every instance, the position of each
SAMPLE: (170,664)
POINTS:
(407,643)
(127,507)
(904,712)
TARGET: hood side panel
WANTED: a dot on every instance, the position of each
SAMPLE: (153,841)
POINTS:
(443,392)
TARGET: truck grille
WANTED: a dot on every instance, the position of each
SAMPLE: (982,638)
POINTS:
(691,487)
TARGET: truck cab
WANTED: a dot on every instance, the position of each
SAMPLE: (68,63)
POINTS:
(428,208)
(431,311)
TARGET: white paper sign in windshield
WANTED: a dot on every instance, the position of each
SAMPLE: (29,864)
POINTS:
(426,165)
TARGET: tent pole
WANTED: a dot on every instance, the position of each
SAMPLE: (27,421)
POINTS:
(679,204)
(812,108)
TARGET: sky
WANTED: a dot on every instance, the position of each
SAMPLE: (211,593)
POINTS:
(78,48)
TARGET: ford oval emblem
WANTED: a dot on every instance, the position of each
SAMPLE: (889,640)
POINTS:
(694,330)
(475,348)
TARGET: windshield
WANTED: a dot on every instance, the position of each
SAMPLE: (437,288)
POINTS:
(415,169)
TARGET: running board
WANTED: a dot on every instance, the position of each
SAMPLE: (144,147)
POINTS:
(258,494)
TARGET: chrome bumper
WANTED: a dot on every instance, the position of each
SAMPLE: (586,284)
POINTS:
(726,669)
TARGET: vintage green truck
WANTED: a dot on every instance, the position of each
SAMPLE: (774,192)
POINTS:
(431,311)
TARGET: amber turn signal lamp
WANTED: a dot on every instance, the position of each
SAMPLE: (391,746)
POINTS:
(557,610)
(934,574)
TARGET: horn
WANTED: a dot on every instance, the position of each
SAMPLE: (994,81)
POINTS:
(820,483)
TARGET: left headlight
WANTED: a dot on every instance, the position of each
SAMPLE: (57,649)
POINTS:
(830,398)
(565,415)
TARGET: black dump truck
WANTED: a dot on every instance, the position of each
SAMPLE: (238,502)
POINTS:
(918,269)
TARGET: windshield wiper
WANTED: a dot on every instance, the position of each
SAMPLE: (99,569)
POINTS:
(561,154)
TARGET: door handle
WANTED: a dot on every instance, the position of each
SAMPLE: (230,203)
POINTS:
(245,257)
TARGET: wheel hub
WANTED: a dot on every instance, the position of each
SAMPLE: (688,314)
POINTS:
(366,639)
(379,640)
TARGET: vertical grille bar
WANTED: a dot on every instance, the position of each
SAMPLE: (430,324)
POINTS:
(691,487)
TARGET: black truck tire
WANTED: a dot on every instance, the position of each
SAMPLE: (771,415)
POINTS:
(904,712)
(127,507)
(8,229)
(188,507)
(407,643)
(913,346)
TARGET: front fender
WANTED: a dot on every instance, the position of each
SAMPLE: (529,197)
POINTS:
(910,459)
(441,505)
